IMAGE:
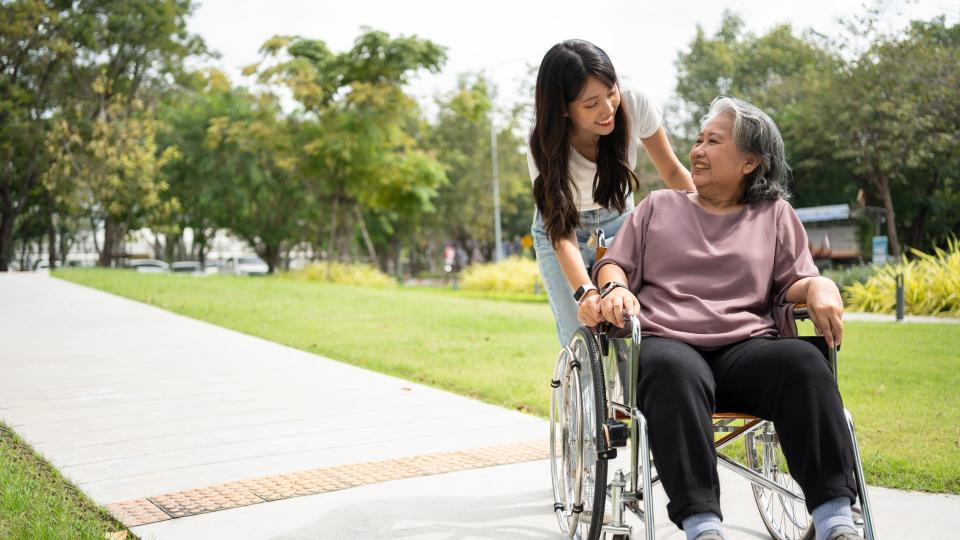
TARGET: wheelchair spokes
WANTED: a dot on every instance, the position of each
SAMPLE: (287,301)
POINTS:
(785,517)
(577,412)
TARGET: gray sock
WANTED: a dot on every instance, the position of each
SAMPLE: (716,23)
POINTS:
(832,514)
(698,524)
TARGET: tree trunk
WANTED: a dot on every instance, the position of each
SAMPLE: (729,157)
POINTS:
(51,243)
(24,249)
(918,236)
(366,237)
(201,243)
(882,183)
(66,242)
(271,255)
(6,236)
(93,227)
(106,254)
(331,244)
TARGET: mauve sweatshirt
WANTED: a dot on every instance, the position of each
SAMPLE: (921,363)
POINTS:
(711,280)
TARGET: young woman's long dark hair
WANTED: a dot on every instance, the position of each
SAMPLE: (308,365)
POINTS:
(562,77)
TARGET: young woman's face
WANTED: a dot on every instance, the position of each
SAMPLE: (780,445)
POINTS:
(593,111)
(715,161)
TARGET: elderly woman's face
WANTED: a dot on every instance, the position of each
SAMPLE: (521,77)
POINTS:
(716,163)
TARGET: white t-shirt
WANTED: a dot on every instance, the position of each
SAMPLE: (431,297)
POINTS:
(645,118)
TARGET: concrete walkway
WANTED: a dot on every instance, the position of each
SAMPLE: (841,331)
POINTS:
(189,430)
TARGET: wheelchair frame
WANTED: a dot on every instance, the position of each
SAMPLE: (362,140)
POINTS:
(580,440)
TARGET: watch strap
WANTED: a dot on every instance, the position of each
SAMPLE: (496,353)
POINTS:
(609,287)
(581,292)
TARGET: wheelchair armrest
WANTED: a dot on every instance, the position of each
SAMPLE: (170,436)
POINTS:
(800,312)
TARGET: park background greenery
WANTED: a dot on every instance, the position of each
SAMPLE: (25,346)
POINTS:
(110,122)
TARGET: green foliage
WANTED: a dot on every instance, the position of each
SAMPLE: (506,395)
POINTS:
(342,274)
(882,118)
(844,277)
(72,78)
(360,146)
(461,142)
(512,275)
(931,285)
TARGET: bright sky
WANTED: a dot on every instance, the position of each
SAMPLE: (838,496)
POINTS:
(503,38)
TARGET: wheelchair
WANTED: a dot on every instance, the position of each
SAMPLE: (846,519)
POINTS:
(594,412)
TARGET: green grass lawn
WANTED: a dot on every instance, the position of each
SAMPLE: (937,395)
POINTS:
(901,382)
(36,502)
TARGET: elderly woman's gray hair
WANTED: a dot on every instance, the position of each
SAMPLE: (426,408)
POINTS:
(756,134)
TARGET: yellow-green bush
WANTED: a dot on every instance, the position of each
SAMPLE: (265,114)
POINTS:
(931,285)
(512,275)
(345,274)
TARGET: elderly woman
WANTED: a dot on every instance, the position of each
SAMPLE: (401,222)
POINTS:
(710,275)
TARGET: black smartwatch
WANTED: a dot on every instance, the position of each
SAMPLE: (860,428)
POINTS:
(581,292)
(609,287)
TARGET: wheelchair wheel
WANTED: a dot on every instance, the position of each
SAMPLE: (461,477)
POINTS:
(577,414)
(786,518)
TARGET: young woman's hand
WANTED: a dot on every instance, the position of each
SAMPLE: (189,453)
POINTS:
(589,311)
(825,307)
(618,304)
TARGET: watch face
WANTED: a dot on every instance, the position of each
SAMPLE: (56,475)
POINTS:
(582,291)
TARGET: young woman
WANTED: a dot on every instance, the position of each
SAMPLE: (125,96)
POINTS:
(582,153)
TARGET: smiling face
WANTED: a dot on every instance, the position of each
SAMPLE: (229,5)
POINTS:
(718,167)
(592,112)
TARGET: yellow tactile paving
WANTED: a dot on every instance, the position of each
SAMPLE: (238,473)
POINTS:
(310,482)
(137,512)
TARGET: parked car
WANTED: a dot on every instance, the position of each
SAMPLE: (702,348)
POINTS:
(43,265)
(187,267)
(213,267)
(248,265)
(149,266)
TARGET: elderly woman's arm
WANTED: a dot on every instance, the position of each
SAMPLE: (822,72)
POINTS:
(824,305)
(619,302)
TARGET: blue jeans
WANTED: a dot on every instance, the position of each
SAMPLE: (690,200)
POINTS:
(558,289)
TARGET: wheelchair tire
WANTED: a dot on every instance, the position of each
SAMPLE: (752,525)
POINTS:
(784,517)
(594,484)
(578,412)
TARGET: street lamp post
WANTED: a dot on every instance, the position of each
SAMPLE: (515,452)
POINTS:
(497,235)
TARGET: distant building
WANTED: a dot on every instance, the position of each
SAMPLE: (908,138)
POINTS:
(834,232)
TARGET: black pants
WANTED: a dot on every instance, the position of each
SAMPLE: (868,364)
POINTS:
(787,381)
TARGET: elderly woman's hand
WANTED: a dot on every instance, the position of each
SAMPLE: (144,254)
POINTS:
(618,304)
(825,307)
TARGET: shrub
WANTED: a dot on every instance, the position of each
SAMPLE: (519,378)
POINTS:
(931,284)
(344,274)
(512,275)
(845,277)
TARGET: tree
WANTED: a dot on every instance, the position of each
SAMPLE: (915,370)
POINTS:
(75,59)
(882,119)
(898,125)
(198,178)
(264,200)
(360,149)
(114,174)
(461,139)
(36,48)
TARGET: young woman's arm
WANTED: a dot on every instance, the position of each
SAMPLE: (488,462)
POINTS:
(568,255)
(668,166)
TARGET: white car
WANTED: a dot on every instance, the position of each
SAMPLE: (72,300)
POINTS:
(187,267)
(248,265)
(149,266)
